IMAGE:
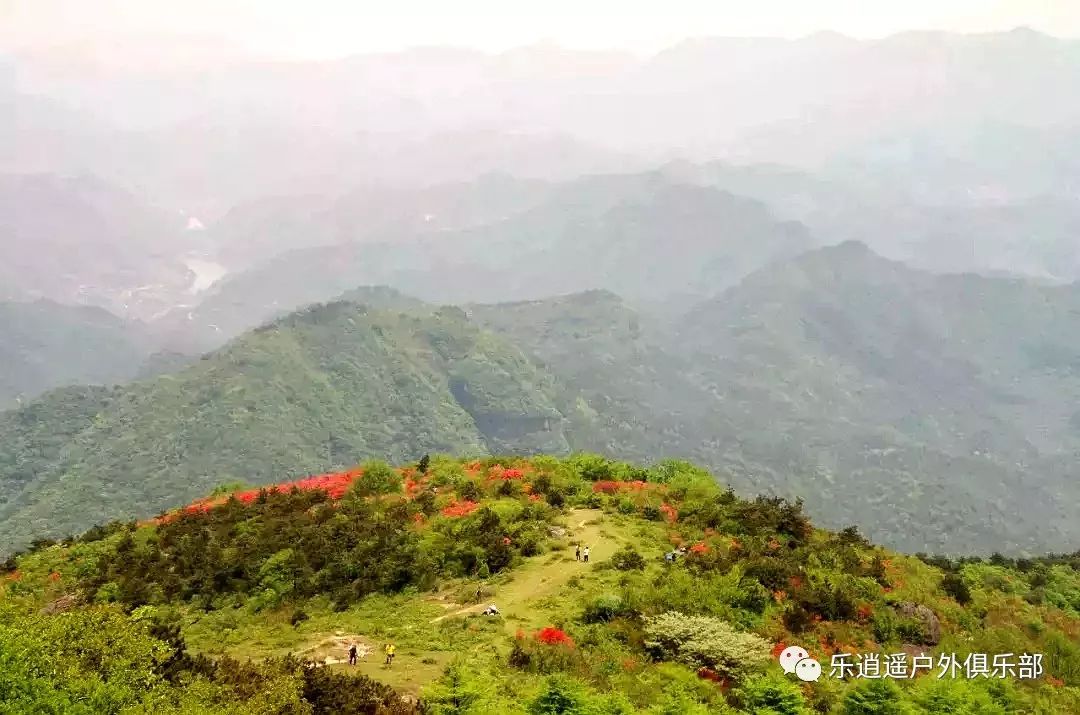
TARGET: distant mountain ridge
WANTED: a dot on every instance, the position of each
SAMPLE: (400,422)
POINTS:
(923,408)
(82,240)
(326,385)
(643,236)
(44,345)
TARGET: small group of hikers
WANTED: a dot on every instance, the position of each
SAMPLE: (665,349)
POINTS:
(389,649)
(581,555)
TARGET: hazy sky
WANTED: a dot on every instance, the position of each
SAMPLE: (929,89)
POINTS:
(332,28)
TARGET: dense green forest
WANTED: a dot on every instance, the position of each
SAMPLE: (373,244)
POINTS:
(246,601)
(301,395)
(44,345)
(922,408)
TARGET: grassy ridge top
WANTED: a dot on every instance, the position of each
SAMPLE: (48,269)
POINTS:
(411,555)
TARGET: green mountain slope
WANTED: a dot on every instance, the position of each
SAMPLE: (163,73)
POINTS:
(685,602)
(44,345)
(922,408)
(320,388)
(930,405)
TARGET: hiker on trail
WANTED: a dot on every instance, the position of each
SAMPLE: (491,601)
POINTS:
(585,555)
(352,654)
(389,653)
(577,553)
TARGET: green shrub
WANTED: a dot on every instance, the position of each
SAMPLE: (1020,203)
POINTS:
(560,696)
(703,641)
(628,559)
(771,694)
(603,609)
(876,697)
(378,478)
(953,584)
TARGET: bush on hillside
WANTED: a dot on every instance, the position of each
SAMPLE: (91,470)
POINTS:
(603,609)
(704,642)
(378,478)
(773,694)
(953,584)
(628,559)
(877,697)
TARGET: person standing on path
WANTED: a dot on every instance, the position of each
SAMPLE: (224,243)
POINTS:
(577,553)
(352,654)
(389,654)
(585,555)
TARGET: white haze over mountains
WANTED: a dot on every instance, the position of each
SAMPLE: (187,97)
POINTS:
(949,151)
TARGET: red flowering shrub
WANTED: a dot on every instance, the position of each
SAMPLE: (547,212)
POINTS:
(670,512)
(699,548)
(334,484)
(710,674)
(506,473)
(460,508)
(606,486)
(549,650)
(554,636)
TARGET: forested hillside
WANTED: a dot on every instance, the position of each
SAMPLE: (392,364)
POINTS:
(315,390)
(929,405)
(44,345)
(922,408)
(248,602)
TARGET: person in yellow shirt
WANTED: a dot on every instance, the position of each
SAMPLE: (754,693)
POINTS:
(389,649)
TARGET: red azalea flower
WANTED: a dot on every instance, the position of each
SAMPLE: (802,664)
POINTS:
(460,508)
(554,636)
